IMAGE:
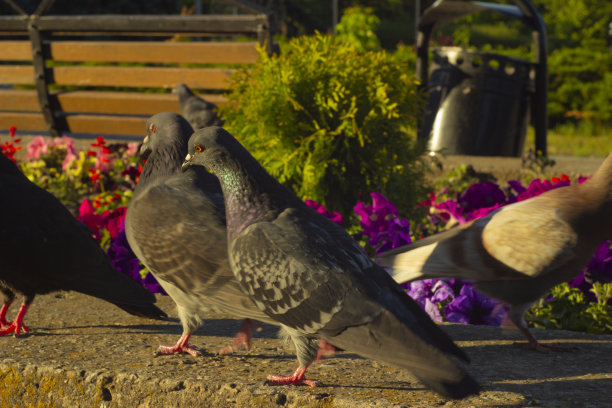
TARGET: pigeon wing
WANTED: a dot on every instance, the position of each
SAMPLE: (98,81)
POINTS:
(531,237)
(190,253)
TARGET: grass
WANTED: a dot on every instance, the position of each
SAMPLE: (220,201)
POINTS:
(563,142)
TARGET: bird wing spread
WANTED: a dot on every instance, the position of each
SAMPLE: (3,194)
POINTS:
(530,237)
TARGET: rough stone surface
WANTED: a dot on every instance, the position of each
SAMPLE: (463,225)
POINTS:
(83,352)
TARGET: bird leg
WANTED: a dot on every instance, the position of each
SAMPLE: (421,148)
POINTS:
(298,378)
(181,346)
(242,338)
(17,324)
(325,350)
(534,344)
(5,307)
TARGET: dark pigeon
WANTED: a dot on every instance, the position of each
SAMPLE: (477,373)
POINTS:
(517,253)
(309,275)
(44,248)
(198,112)
(175,224)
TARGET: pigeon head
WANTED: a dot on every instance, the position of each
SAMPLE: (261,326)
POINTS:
(214,147)
(183,91)
(165,129)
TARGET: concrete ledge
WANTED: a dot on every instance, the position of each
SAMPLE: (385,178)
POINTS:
(84,352)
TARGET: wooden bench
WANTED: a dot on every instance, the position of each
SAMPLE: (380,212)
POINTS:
(105,75)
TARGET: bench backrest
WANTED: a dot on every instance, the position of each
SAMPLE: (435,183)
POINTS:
(72,75)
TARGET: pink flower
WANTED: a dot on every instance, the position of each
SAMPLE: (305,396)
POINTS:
(114,221)
(88,216)
(36,147)
(132,149)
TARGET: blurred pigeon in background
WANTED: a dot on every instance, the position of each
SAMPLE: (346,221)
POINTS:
(198,112)
(44,248)
(307,273)
(175,224)
(517,253)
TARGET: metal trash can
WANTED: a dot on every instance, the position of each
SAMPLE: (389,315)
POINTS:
(477,103)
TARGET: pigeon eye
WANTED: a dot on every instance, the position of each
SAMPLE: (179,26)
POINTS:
(152,128)
(199,148)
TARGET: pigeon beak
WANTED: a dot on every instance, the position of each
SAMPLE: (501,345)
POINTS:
(144,148)
(187,163)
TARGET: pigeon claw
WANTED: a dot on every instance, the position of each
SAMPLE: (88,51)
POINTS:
(176,349)
(298,378)
(14,328)
(241,340)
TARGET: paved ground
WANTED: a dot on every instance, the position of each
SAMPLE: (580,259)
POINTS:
(87,353)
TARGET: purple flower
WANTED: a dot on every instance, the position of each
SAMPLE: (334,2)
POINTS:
(537,187)
(450,209)
(375,217)
(482,195)
(481,212)
(335,217)
(600,266)
(396,235)
(427,292)
(124,260)
(471,307)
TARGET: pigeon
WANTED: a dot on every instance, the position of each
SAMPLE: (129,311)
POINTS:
(175,224)
(304,271)
(198,112)
(518,252)
(44,248)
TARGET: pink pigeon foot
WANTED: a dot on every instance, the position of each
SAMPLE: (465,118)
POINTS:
(298,378)
(16,326)
(534,344)
(242,338)
(3,322)
(325,350)
(181,346)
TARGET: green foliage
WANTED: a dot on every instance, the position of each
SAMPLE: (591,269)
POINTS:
(569,23)
(357,27)
(330,122)
(580,83)
(569,310)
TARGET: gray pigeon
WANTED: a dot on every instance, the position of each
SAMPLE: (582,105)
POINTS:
(198,112)
(309,275)
(517,253)
(44,248)
(175,224)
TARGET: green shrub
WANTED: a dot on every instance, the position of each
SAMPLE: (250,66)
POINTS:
(329,122)
(569,310)
(357,27)
(580,83)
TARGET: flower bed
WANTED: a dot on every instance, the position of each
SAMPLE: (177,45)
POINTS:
(97,185)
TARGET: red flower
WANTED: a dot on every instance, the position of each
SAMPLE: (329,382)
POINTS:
(94,175)
(100,142)
(8,148)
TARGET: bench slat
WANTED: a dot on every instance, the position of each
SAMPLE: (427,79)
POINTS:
(156,52)
(15,51)
(26,121)
(198,78)
(92,124)
(17,74)
(125,103)
(107,125)
(138,51)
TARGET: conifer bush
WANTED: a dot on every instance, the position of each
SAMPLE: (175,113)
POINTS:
(331,122)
